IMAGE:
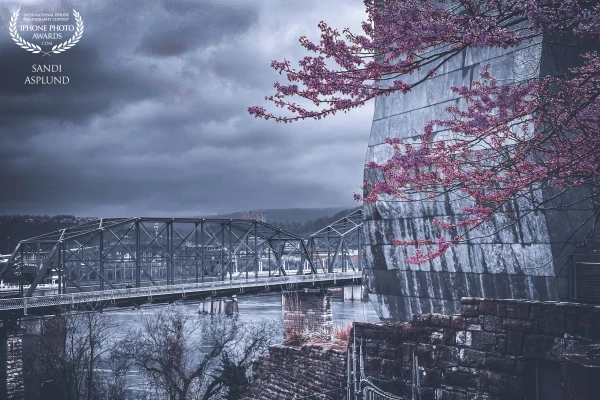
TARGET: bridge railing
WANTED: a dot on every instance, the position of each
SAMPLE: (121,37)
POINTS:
(71,299)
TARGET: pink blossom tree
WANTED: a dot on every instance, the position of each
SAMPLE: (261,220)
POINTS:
(535,139)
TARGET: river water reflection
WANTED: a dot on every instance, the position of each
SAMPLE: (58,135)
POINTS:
(250,308)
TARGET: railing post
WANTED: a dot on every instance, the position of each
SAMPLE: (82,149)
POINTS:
(203,248)
(63,270)
(196,249)
(256,262)
(359,261)
(101,258)
(223,252)
(138,265)
(229,254)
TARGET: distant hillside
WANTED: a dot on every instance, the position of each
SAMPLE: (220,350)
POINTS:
(300,215)
(305,229)
(18,230)
(300,221)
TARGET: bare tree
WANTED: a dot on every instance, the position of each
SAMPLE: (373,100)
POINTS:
(188,356)
(66,353)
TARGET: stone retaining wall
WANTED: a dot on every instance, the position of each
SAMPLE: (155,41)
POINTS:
(488,352)
(290,372)
(11,363)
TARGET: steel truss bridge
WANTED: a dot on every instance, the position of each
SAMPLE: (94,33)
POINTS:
(135,259)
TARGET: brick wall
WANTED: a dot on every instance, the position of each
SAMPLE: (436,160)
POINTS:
(486,352)
(290,372)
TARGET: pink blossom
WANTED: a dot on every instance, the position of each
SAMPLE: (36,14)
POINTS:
(539,133)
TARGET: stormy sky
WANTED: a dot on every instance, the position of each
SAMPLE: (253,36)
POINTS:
(154,121)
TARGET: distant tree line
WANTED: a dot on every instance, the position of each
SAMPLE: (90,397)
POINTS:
(43,219)
(14,228)
(305,229)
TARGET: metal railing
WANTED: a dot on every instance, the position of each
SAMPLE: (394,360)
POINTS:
(70,299)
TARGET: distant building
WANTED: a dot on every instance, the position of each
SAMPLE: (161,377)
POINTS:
(258,215)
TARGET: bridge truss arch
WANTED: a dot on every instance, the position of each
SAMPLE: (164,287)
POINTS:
(117,253)
(339,245)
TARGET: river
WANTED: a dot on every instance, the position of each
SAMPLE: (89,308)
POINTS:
(250,307)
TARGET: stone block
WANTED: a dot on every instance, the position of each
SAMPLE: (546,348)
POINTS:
(514,342)
(391,365)
(469,310)
(432,378)
(473,327)
(446,356)
(492,323)
(501,364)
(426,355)
(514,324)
(406,352)
(437,337)
(494,382)
(428,394)
(488,308)
(472,358)
(415,334)
(457,322)
(535,311)
(501,344)
(552,320)
(483,340)
(501,310)
(371,347)
(518,310)
(440,320)
(421,319)
(459,379)
(387,351)
(446,394)
(463,338)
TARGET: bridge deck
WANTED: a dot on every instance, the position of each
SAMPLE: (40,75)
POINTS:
(43,305)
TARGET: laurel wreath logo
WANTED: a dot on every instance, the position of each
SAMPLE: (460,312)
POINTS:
(34,48)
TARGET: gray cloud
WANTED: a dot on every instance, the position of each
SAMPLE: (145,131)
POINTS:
(154,120)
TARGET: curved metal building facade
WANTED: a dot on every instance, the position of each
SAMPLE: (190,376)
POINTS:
(525,261)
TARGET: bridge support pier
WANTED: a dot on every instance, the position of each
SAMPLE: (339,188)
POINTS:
(353,292)
(11,361)
(227,306)
(309,310)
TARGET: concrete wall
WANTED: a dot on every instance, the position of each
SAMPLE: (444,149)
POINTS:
(520,262)
(489,351)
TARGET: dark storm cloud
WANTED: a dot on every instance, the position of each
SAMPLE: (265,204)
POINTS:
(154,120)
(190,25)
